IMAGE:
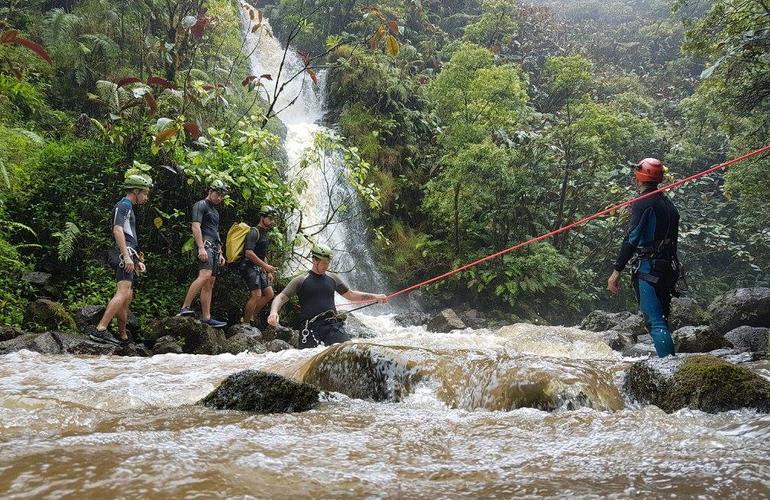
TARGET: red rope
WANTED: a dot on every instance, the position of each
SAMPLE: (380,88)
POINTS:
(580,222)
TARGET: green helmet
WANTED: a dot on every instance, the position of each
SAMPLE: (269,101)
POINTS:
(267,211)
(321,251)
(138,181)
(220,186)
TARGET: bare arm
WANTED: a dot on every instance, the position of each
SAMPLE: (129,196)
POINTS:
(120,240)
(198,236)
(256,260)
(278,303)
(357,296)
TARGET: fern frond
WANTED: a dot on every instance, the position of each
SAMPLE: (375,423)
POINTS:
(67,240)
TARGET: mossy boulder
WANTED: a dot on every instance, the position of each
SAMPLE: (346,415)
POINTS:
(243,342)
(46,315)
(261,392)
(699,382)
(623,322)
(69,343)
(194,336)
(697,339)
(687,312)
(89,316)
(748,338)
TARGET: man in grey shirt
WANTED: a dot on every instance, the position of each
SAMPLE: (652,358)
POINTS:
(315,290)
(205,229)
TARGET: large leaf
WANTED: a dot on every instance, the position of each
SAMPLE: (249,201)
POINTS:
(34,47)
(192,129)
(392,47)
(165,135)
(160,82)
(128,80)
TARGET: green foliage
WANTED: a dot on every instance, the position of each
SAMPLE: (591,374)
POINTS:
(67,239)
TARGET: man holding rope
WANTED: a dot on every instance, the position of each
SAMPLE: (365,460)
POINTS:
(318,314)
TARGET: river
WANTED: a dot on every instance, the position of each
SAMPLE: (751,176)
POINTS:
(128,427)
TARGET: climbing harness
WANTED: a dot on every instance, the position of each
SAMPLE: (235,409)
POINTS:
(306,331)
(563,229)
(132,253)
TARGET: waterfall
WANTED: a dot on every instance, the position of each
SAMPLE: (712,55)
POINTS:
(301,107)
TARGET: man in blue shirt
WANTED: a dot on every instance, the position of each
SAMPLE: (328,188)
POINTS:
(205,229)
(124,257)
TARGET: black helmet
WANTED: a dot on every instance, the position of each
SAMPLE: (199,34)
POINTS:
(267,211)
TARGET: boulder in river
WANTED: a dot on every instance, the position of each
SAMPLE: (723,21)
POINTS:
(640,350)
(10,332)
(740,307)
(699,382)
(357,329)
(686,312)
(697,339)
(748,338)
(260,392)
(277,345)
(361,371)
(245,329)
(618,341)
(167,345)
(624,322)
(243,341)
(46,315)
(412,318)
(69,343)
(446,321)
(90,315)
(195,337)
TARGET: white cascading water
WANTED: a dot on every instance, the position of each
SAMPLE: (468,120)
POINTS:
(301,106)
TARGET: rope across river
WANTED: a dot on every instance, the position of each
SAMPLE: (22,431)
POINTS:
(562,229)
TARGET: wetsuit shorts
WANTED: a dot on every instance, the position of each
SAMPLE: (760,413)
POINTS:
(326,332)
(116,262)
(254,276)
(214,250)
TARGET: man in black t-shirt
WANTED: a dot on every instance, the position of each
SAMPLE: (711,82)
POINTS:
(205,229)
(253,266)
(316,298)
(124,257)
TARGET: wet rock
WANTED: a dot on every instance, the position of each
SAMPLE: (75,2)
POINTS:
(195,337)
(167,345)
(244,341)
(37,278)
(618,341)
(699,382)
(686,312)
(625,322)
(357,329)
(261,392)
(737,357)
(277,345)
(413,318)
(10,332)
(90,315)
(284,333)
(645,339)
(741,307)
(446,321)
(640,350)
(245,329)
(697,339)
(360,371)
(748,339)
(56,343)
(46,315)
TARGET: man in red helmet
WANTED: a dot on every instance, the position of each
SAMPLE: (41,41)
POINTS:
(650,246)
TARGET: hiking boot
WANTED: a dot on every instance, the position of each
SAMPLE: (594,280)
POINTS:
(186,311)
(103,336)
(215,323)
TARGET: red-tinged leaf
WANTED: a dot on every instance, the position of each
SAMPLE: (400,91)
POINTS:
(8,36)
(128,81)
(305,57)
(313,75)
(151,103)
(374,41)
(200,26)
(165,135)
(246,81)
(267,76)
(192,129)
(34,47)
(392,47)
(160,82)
(208,87)
(393,26)
(130,104)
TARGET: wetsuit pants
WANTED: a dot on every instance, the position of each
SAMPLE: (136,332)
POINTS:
(655,302)
(326,332)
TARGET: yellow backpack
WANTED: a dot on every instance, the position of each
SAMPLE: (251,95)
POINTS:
(236,239)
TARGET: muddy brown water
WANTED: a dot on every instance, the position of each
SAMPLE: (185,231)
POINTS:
(98,427)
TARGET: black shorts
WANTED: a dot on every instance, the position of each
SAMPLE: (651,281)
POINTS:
(326,332)
(116,262)
(212,264)
(254,276)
